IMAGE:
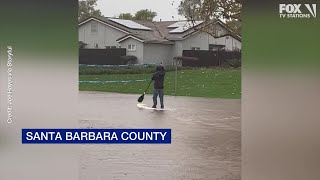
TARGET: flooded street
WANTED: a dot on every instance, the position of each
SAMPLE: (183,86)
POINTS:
(206,138)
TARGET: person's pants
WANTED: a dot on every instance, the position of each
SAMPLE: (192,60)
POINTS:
(157,92)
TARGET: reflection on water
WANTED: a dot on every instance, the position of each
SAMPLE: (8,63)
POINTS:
(206,138)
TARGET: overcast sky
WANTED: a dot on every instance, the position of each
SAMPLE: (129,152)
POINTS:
(166,9)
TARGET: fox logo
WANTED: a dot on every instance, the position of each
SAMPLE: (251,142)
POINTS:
(294,11)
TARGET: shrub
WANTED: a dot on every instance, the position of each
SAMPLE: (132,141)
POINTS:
(235,63)
(128,59)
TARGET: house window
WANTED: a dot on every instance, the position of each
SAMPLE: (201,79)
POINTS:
(131,47)
(94,27)
(195,48)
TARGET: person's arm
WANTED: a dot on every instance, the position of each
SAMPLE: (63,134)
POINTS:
(153,77)
(162,73)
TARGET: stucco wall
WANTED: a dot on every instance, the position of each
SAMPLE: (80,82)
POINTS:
(197,40)
(220,30)
(230,42)
(106,35)
(157,53)
(138,52)
(203,39)
(177,48)
(237,45)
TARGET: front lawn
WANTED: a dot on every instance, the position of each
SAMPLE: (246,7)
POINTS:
(200,82)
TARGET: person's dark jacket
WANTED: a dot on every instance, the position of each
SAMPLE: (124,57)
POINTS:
(158,77)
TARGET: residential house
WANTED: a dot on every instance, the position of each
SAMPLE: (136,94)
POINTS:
(155,42)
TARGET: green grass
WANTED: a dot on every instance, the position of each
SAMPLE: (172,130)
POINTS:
(201,82)
(100,70)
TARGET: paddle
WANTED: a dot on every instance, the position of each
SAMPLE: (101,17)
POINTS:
(140,99)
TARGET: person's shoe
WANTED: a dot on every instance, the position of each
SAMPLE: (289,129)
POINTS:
(162,107)
(154,106)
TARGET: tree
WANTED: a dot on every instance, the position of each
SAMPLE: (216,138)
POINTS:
(235,25)
(210,10)
(188,9)
(87,9)
(145,14)
(127,16)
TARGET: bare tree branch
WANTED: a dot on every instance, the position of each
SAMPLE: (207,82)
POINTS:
(211,10)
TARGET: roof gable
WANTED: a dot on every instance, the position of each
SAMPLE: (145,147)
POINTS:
(129,36)
(230,32)
(103,22)
(159,32)
(182,26)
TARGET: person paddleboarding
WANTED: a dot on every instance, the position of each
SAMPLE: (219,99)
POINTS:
(158,78)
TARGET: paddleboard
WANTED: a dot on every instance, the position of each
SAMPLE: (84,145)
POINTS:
(144,106)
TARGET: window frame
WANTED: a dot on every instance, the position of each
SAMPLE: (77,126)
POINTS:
(94,24)
(133,47)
